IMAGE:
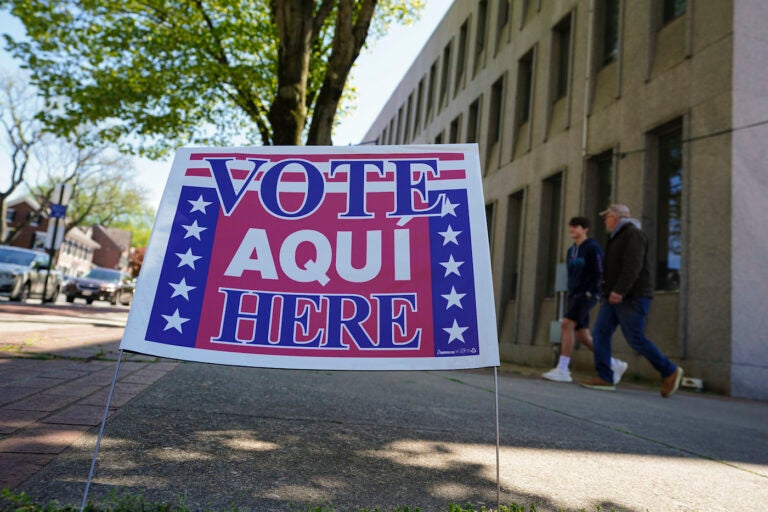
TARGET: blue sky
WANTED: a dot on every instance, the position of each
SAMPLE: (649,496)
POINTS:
(376,74)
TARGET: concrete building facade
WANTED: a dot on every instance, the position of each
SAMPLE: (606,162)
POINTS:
(575,104)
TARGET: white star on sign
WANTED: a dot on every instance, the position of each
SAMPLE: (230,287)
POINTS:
(174,321)
(193,230)
(450,235)
(187,259)
(198,205)
(181,288)
(452,266)
(453,298)
(455,332)
(448,208)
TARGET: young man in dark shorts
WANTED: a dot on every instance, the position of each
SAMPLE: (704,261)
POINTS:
(585,269)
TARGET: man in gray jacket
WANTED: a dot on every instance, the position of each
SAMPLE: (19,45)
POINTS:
(627,292)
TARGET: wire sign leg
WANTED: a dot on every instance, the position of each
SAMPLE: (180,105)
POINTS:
(101,432)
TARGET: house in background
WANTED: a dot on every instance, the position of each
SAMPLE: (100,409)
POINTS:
(76,253)
(25,209)
(115,247)
(81,249)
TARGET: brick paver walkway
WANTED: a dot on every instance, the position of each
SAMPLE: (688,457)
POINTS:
(56,367)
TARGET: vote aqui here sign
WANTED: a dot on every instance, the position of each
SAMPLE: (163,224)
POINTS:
(352,258)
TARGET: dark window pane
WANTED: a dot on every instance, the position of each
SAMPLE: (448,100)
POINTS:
(525,78)
(673,9)
(563,62)
(494,116)
(669,215)
(489,213)
(445,75)
(482,14)
(454,131)
(431,89)
(417,113)
(473,118)
(512,245)
(603,186)
(551,209)
(462,56)
(610,30)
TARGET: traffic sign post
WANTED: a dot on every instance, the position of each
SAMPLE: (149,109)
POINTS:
(53,240)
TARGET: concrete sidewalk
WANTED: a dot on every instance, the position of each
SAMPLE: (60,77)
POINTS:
(258,439)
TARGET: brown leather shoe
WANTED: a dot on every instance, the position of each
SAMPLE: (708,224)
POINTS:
(597,383)
(670,384)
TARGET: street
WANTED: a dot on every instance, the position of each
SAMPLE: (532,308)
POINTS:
(219,437)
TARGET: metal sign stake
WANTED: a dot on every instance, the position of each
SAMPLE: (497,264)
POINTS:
(101,431)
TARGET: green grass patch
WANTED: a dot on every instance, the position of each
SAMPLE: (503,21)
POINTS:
(11,502)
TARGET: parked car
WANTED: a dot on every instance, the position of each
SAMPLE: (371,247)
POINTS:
(22,275)
(98,284)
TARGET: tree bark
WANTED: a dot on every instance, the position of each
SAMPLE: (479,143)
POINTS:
(288,114)
(353,19)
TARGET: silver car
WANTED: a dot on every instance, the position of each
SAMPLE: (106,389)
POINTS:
(22,275)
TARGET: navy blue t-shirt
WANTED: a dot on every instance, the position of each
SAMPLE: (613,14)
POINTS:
(585,268)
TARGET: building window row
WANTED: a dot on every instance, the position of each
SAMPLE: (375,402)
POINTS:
(76,250)
(664,207)
(434,89)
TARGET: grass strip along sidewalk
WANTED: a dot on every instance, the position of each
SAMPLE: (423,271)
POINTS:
(10,502)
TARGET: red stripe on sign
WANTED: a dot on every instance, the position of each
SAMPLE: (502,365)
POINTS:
(328,156)
(459,174)
(198,171)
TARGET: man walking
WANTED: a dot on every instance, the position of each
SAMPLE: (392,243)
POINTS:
(627,296)
(585,269)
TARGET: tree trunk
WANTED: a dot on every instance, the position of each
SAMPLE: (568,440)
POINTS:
(288,113)
(348,39)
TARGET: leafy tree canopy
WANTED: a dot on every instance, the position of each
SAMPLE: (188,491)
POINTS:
(156,74)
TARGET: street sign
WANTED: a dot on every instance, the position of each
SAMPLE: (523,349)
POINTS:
(58,211)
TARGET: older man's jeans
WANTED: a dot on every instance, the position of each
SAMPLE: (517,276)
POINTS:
(630,316)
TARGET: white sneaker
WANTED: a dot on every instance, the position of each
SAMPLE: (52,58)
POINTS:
(618,370)
(558,375)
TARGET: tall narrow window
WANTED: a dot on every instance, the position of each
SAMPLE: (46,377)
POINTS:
(490,215)
(461,57)
(399,134)
(431,90)
(512,242)
(562,57)
(502,20)
(472,120)
(407,128)
(669,210)
(439,138)
(419,103)
(672,9)
(482,15)
(524,87)
(494,114)
(599,190)
(610,32)
(454,134)
(446,74)
(391,132)
(551,207)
